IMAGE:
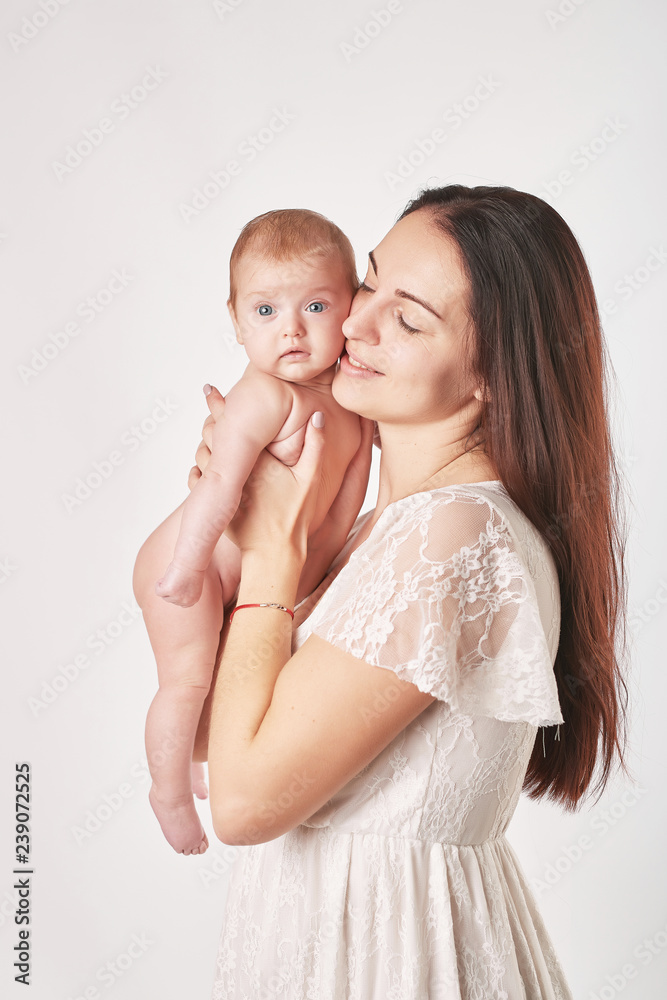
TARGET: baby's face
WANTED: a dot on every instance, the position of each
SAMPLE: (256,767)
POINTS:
(289,314)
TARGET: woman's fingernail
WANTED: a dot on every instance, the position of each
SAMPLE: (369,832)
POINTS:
(318,419)
(207,389)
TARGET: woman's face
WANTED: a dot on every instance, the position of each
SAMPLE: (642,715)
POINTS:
(407,323)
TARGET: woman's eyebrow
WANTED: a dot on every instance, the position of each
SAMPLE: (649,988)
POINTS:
(401,293)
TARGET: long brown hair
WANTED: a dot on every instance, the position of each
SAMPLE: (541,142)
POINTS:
(538,348)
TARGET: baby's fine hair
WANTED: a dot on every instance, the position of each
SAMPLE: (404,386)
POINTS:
(288,233)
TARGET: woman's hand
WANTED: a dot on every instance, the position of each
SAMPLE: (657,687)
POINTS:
(278,501)
(216,405)
(324,544)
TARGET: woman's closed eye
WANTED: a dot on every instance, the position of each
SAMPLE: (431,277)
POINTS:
(405,326)
(363,287)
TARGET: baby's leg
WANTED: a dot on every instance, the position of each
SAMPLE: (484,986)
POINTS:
(185,643)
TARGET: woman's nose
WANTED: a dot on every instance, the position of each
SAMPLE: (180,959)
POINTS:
(360,324)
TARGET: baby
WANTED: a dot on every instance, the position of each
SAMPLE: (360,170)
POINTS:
(292,278)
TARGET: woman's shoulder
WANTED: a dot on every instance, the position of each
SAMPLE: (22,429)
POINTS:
(439,526)
(438,523)
(468,545)
(492,496)
(448,519)
(466,505)
(453,502)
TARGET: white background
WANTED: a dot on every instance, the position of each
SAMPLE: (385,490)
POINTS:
(356,112)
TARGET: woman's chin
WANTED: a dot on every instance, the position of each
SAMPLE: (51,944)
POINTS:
(341,392)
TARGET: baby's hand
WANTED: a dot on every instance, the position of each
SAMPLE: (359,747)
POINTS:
(180,586)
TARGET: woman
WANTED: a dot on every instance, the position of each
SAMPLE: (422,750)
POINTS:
(369,763)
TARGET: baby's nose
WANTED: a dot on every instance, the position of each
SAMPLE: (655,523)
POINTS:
(293,326)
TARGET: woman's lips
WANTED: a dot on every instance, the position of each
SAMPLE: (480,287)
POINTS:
(355,366)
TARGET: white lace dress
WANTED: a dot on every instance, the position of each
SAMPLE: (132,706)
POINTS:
(403,886)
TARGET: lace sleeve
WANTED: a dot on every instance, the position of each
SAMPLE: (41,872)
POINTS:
(439,593)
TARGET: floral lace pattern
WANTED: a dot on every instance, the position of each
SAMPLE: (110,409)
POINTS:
(461,622)
(403,885)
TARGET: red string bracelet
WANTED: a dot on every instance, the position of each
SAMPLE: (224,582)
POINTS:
(280,607)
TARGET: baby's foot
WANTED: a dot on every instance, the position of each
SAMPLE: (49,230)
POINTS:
(180,823)
(199,786)
(179,586)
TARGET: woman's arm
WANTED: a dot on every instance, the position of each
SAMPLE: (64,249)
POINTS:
(216,403)
(286,732)
(323,545)
(271,531)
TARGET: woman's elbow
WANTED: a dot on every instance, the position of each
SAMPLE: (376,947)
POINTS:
(240,825)
(228,826)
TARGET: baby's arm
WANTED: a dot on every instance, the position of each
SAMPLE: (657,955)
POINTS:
(256,408)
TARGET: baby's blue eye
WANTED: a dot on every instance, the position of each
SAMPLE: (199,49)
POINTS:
(265,310)
(316,307)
